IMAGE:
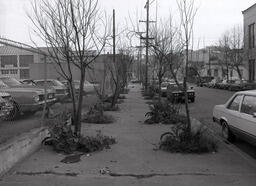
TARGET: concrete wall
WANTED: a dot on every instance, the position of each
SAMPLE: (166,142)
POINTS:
(19,147)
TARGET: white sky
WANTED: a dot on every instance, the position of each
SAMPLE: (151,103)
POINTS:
(213,18)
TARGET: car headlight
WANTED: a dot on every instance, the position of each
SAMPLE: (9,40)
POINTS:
(50,96)
(36,98)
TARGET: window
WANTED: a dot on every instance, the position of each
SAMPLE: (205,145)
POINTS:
(216,72)
(249,105)
(251,36)
(8,61)
(209,73)
(4,72)
(234,104)
(24,73)
(26,60)
(48,83)
(14,71)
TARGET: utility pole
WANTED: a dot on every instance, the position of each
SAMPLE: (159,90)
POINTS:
(147,31)
(210,71)
(114,37)
(147,42)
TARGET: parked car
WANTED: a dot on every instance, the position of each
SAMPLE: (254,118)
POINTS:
(135,80)
(88,87)
(27,84)
(61,91)
(237,116)
(6,105)
(203,80)
(224,84)
(174,94)
(213,83)
(25,99)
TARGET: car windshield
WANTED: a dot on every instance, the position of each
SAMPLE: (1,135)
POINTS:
(11,81)
(77,82)
(57,83)
(164,84)
(3,85)
(174,87)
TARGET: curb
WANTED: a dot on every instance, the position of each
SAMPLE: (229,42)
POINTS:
(20,147)
(229,146)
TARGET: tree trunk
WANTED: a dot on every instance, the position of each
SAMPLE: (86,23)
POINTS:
(115,96)
(185,91)
(80,102)
(239,72)
(159,88)
(72,92)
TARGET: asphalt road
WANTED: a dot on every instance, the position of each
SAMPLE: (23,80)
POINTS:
(10,129)
(206,99)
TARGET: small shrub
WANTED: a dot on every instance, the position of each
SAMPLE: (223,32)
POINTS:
(63,139)
(178,140)
(119,101)
(164,113)
(95,143)
(98,119)
(174,119)
(108,107)
(121,97)
(125,91)
(150,94)
(96,115)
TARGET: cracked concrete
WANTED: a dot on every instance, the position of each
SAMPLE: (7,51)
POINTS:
(46,173)
(133,160)
(143,176)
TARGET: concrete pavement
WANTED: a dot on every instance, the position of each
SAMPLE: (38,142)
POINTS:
(133,160)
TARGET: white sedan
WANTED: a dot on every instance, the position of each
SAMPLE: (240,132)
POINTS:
(237,117)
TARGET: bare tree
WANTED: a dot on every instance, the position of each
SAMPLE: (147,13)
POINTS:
(224,49)
(236,49)
(75,34)
(118,71)
(187,15)
(165,47)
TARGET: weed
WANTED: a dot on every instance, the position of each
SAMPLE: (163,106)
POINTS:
(63,139)
(178,140)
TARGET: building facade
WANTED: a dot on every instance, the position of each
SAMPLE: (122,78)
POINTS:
(249,41)
(209,62)
(15,62)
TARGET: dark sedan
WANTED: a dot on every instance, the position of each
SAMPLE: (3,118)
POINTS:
(61,91)
(25,98)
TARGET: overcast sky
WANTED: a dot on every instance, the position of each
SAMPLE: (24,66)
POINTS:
(213,18)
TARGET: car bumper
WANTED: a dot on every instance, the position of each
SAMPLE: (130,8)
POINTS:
(61,97)
(216,120)
(5,110)
(37,106)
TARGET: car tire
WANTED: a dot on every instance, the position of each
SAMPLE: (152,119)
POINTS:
(226,133)
(14,113)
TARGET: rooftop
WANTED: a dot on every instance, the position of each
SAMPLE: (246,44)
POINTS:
(249,8)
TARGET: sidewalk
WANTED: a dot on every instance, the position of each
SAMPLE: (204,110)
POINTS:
(132,161)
